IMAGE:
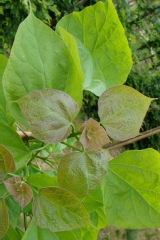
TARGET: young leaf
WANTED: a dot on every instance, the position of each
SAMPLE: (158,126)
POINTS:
(4,221)
(40,59)
(59,210)
(21,192)
(49,113)
(121,110)
(101,32)
(82,172)
(93,135)
(11,140)
(131,190)
(7,164)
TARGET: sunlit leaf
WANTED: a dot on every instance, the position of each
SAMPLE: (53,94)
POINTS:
(121,110)
(49,113)
(40,59)
(4,221)
(93,135)
(59,210)
(131,190)
(82,172)
(100,31)
(20,191)
(7,164)
(11,140)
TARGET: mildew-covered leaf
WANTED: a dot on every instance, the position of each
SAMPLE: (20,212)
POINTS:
(59,210)
(121,110)
(82,172)
(40,59)
(101,32)
(131,190)
(93,135)
(49,113)
(7,164)
(21,192)
(4,221)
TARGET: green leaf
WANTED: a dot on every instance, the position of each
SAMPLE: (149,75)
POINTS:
(131,190)
(42,180)
(49,113)
(11,234)
(82,172)
(59,210)
(37,233)
(40,59)
(94,206)
(21,192)
(101,32)
(121,110)
(11,140)
(4,222)
(14,210)
(93,135)
(7,164)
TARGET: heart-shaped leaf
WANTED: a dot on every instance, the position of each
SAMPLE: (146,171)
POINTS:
(131,190)
(82,172)
(102,34)
(49,113)
(93,135)
(121,110)
(41,59)
(7,164)
(20,191)
(59,210)
(4,221)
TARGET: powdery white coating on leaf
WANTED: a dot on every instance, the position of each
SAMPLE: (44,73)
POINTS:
(4,221)
(21,191)
(49,114)
(81,173)
(121,110)
(131,190)
(101,32)
(93,135)
(59,210)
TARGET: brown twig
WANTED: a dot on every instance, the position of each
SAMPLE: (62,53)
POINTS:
(135,139)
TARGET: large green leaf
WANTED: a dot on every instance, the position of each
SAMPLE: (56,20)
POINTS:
(37,233)
(4,221)
(82,172)
(41,59)
(131,190)
(121,110)
(58,210)
(49,113)
(101,32)
(11,140)
(7,164)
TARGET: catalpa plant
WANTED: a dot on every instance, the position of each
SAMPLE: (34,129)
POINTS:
(41,91)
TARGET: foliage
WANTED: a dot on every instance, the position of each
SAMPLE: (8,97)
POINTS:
(42,86)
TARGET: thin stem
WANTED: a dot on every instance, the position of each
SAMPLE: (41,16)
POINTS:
(68,145)
(25,221)
(5,195)
(41,148)
(35,155)
(37,169)
(21,130)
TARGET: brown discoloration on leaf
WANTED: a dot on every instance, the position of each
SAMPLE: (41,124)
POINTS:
(7,164)
(93,135)
(20,191)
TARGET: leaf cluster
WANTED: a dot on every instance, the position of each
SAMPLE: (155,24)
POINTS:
(42,83)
